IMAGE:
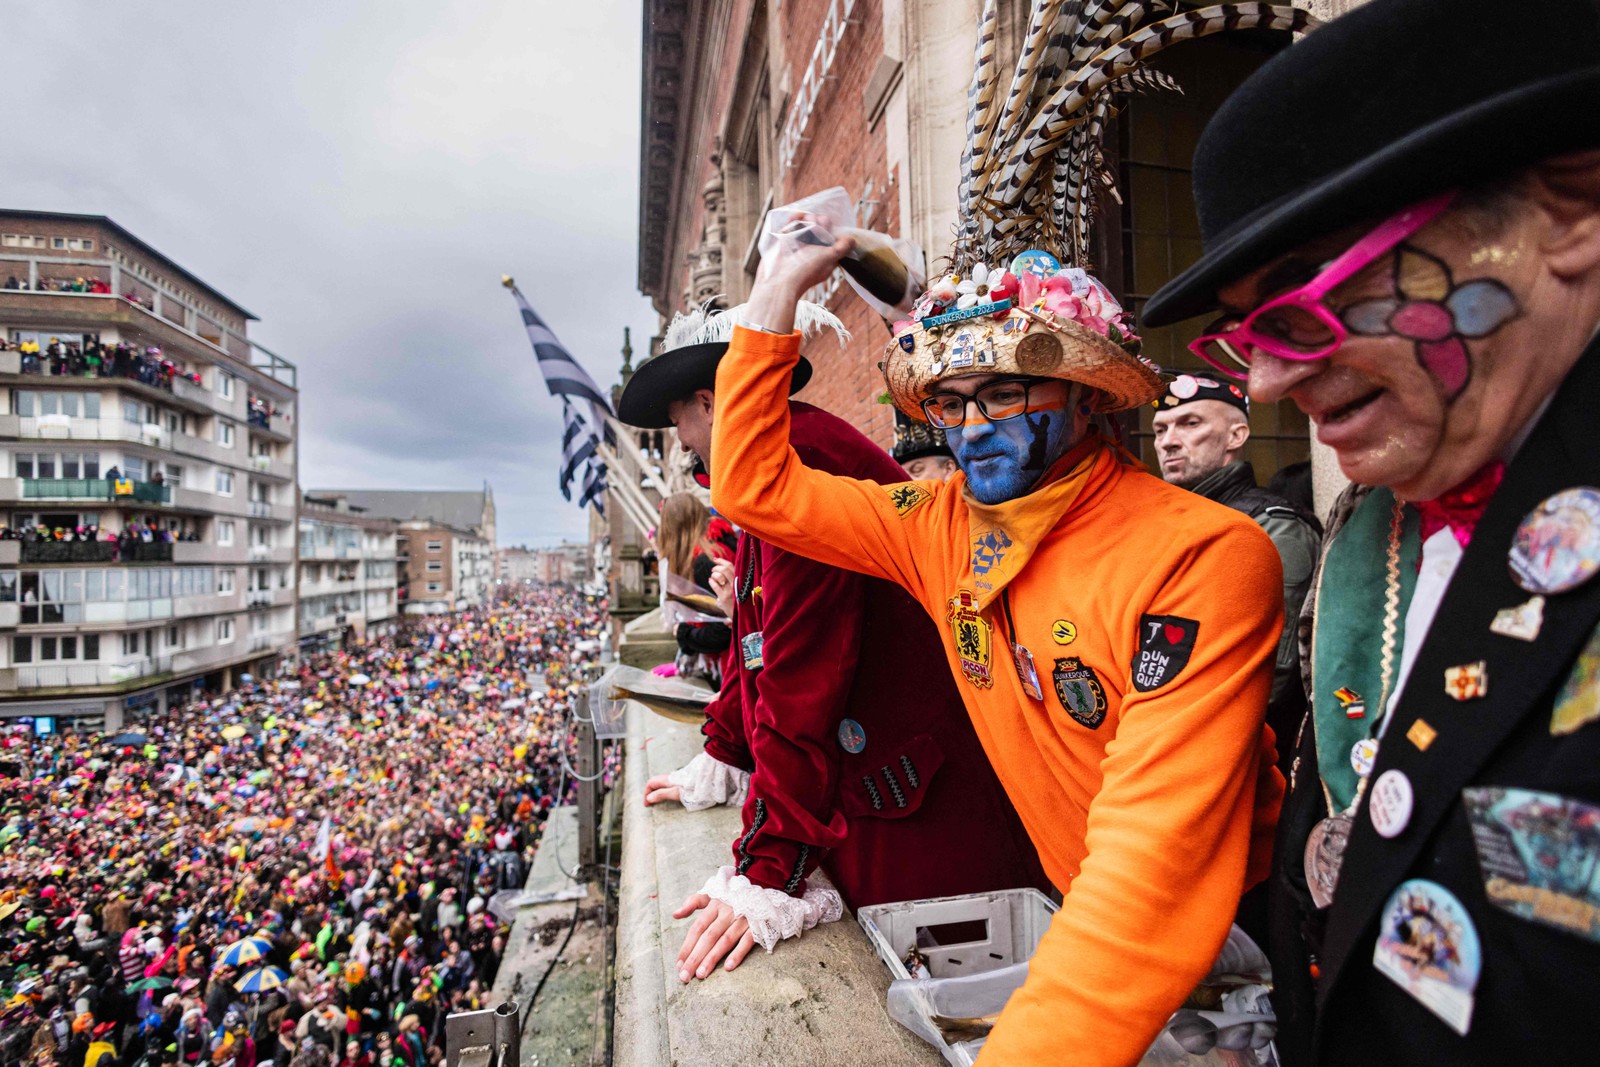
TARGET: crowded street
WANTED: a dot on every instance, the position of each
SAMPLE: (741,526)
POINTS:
(301,870)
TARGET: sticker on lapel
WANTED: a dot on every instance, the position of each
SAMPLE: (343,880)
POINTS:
(908,341)
(1578,703)
(971,631)
(1557,545)
(907,497)
(1165,643)
(1428,946)
(852,738)
(1063,632)
(1080,692)
(1391,802)
(1540,856)
(1470,681)
(1522,622)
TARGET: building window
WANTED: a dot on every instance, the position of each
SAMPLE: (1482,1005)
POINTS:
(435,565)
(224,631)
(22,650)
(435,587)
(224,531)
(58,242)
(225,385)
(32,402)
(224,433)
(225,581)
(435,546)
(225,483)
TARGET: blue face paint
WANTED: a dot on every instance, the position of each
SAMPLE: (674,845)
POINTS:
(1003,460)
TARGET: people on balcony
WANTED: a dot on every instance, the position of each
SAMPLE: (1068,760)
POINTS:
(90,358)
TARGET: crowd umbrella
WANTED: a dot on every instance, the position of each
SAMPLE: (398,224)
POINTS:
(246,951)
(261,980)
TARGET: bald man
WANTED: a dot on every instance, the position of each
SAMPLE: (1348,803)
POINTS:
(1201,426)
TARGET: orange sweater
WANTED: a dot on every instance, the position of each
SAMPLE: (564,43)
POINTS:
(1146,796)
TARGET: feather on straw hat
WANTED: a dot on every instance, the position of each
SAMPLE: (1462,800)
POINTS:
(1019,299)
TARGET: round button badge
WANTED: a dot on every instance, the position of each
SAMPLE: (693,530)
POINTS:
(1557,545)
(851,737)
(1363,754)
(1390,803)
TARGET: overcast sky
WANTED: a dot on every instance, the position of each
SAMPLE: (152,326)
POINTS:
(359,173)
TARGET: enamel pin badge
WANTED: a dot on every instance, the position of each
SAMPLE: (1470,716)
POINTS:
(1522,622)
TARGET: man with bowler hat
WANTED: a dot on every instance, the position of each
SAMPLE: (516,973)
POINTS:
(1401,217)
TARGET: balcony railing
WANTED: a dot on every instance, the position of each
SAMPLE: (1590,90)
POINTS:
(96,552)
(95,489)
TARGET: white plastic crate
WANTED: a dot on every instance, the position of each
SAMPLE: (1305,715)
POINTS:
(1016,920)
(1013,922)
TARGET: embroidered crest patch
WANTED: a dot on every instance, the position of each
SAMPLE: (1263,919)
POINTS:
(972,636)
(1080,692)
(1165,643)
(907,497)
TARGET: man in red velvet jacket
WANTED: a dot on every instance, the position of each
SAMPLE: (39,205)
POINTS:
(838,704)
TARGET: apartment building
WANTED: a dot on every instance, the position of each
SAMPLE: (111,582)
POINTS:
(442,568)
(445,545)
(348,573)
(147,479)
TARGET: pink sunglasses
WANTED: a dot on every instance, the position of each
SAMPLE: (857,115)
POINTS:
(1298,325)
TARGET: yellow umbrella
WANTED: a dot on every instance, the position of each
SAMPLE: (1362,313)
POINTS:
(233,733)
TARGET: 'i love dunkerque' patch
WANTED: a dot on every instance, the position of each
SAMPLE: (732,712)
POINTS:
(1165,644)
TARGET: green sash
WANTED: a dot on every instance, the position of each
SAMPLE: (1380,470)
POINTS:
(1347,642)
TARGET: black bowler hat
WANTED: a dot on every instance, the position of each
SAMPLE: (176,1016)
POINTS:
(693,347)
(914,439)
(1379,109)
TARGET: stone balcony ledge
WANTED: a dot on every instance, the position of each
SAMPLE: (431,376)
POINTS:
(818,999)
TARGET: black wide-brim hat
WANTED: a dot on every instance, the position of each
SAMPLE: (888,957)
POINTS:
(1377,110)
(675,374)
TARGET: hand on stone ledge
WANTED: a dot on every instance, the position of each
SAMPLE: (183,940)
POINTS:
(716,933)
(660,788)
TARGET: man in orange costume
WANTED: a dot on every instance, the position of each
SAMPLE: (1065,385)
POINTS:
(1113,637)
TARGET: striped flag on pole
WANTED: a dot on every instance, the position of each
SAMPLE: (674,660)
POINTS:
(579,448)
(586,413)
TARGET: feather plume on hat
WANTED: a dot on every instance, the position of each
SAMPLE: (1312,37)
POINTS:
(703,326)
(1020,299)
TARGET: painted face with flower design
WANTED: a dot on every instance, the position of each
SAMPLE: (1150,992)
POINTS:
(1445,361)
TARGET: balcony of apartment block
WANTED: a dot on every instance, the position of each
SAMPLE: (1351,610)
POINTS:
(134,304)
(177,392)
(73,428)
(195,607)
(199,448)
(202,552)
(317,551)
(262,509)
(10,553)
(122,491)
(272,427)
(95,552)
(267,599)
(268,642)
(43,679)
(268,467)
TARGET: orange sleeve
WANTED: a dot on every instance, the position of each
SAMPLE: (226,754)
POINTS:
(758,481)
(1170,828)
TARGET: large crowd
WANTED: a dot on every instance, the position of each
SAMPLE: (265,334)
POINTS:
(351,822)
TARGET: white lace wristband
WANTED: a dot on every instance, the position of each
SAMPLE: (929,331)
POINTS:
(773,914)
(705,782)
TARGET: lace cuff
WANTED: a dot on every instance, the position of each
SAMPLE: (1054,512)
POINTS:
(705,782)
(773,914)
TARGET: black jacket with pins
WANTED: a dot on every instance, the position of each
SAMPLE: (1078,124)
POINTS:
(1535,998)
